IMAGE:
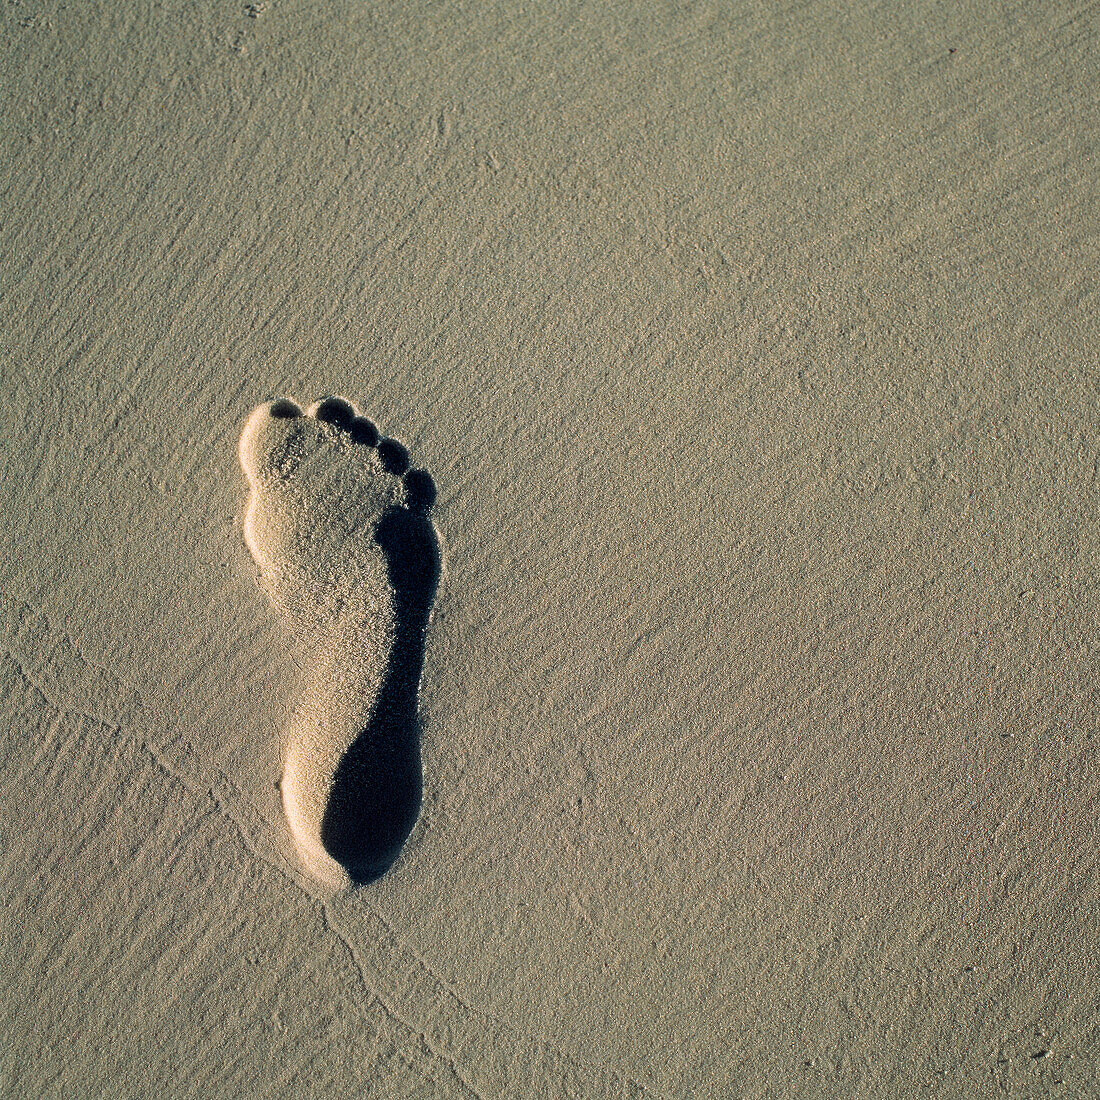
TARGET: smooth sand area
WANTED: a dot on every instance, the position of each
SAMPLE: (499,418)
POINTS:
(752,351)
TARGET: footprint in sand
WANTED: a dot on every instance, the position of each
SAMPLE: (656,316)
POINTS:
(339,527)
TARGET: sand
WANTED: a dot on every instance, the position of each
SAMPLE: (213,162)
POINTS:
(752,351)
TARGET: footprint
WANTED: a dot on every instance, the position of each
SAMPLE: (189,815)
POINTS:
(340,529)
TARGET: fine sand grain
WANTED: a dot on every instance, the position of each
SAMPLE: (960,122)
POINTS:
(727,726)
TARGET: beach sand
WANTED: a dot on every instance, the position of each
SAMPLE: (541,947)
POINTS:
(752,351)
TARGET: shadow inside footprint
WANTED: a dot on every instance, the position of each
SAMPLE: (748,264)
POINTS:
(377,788)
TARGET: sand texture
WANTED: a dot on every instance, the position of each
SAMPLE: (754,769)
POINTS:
(751,353)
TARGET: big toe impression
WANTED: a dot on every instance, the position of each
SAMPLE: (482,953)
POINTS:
(267,439)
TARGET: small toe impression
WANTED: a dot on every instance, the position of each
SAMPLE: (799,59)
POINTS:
(335,411)
(363,431)
(395,459)
(419,490)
